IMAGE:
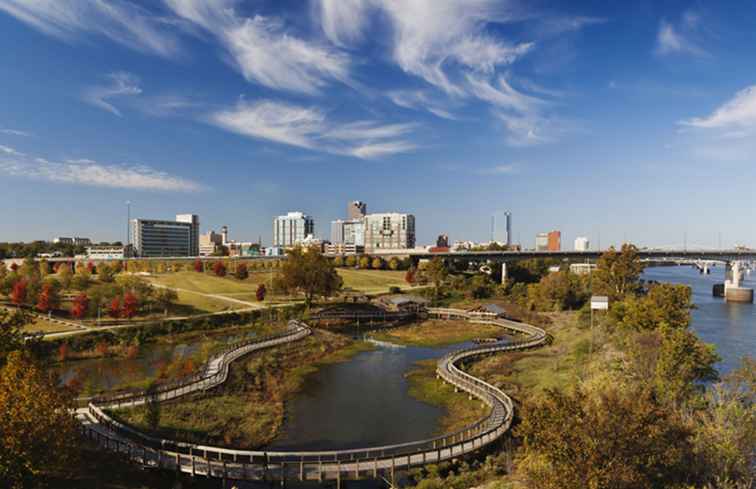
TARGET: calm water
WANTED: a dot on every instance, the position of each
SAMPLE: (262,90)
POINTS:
(361,402)
(102,374)
(731,327)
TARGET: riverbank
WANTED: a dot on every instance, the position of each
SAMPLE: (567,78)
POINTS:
(248,411)
(437,333)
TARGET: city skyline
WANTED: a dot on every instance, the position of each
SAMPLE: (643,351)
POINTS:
(213,108)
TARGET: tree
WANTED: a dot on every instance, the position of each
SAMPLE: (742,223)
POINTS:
(80,306)
(49,298)
(65,275)
(219,269)
(481,287)
(11,332)
(377,263)
(81,280)
(241,272)
(309,272)
(409,276)
(617,274)
(607,439)
(105,273)
(114,308)
(394,263)
(165,298)
(351,261)
(130,305)
(37,431)
(437,273)
(683,364)
(260,293)
(364,262)
(338,261)
(152,415)
(558,291)
(19,293)
(663,304)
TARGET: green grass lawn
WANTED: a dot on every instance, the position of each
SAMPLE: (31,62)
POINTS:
(372,281)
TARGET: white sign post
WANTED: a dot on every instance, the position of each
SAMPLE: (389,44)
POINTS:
(598,303)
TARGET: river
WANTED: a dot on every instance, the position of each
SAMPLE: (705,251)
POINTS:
(731,327)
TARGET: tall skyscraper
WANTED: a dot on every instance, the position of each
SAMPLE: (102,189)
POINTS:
(389,231)
(356,209)
(292,229)
(508,219)
(193,220)
(555,241)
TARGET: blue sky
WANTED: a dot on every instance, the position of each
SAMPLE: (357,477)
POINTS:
(632,120)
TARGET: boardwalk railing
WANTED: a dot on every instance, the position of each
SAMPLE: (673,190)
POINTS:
(314,465)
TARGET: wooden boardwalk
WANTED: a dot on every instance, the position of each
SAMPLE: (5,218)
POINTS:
(338,465)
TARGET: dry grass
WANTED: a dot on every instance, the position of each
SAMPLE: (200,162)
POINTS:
(438,333)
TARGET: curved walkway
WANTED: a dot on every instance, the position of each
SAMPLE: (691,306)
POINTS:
(312,465)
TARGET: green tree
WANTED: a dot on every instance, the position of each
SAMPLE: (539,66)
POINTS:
(105,273)
(152,407)
(663,304)
(559,291)
(37,432)
(394,264)
(437,273)
(377,263)
(309,272)
(481,287)
(618,274)
(364,262)
(684,362)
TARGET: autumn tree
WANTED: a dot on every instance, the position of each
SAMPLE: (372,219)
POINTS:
(309,272)
(338,261)
(105,273)
(219,269)
(19,292)
(48,298)
(260,292)
(350,261)
(65,275)
(377,263)
(114,308)
(242,273)
(130,305)
(666,304)
(394,263)
(80,306)
(364,262)
(409,276)
(11,332)
(38,434)
(618,273)
(198,266)
(608,439)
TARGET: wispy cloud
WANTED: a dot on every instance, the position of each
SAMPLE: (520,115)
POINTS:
(91,173)
(120,84)
(309,127)
(738,112)
(680,37)
(14,132)
(419,100)
(263,50)
(122,21)
(506,169)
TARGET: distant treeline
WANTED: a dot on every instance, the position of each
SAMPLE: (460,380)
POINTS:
(35,248)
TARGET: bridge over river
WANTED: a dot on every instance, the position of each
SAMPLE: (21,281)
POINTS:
(369,462)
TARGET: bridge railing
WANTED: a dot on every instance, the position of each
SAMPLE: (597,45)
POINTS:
(470,438)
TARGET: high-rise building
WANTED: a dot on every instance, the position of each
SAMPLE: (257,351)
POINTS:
(356,209)
(508,223)
(442,241)
(555,241)
(292,229)
(582,244)
(389,231)
(193,220)
(210,243)
(542,242)
(154,238)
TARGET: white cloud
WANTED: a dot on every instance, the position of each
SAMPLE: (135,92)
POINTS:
(739,111)
(121,21)
(14,132)
(9,151)
(418,100)
(121,84)
(91,173)
(262,49)
(507,169)
(673,39)
(343,20)
(308,127)
(534,129)
(503,95)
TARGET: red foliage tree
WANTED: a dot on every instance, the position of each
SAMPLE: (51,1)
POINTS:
(409,277)
(80,306)
(91,268)
(241,272)
(63,352)
(14,267)
(18,294)
(219,269)
(114,309)
(260,293)
(199,267)
(47,299)
(130,305)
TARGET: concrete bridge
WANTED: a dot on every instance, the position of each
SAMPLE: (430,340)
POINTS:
(369,462)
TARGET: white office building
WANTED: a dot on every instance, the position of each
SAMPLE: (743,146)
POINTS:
(389,231)
(582,244)
(292,229)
